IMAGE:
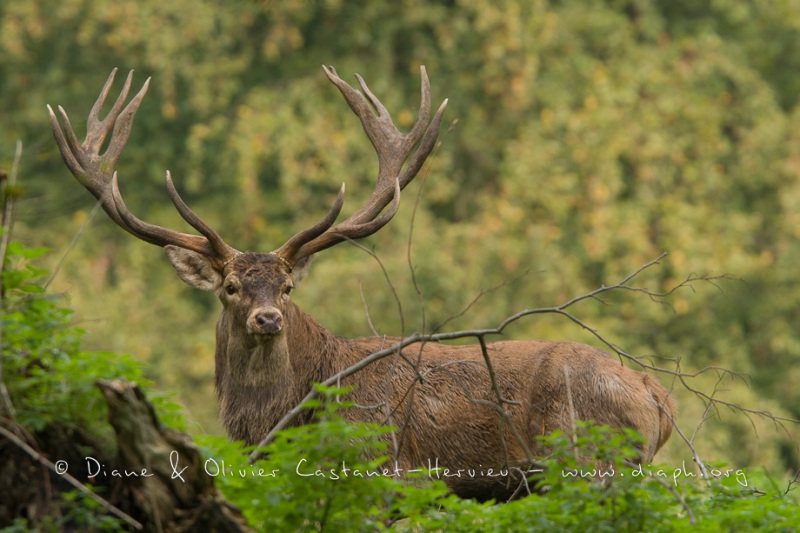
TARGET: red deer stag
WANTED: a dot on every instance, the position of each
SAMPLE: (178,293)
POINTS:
(269,352)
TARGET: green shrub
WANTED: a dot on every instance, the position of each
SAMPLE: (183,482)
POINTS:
(50,379)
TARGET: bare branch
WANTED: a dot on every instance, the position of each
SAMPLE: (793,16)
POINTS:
(409,246)
(472,303)
(72,244)
(681,500)
(392,288)
(366,311)
(9,195)
(69,479)
(690,443)
(793,484)
(572,418)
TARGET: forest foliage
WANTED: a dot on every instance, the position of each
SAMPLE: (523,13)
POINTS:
(584,138)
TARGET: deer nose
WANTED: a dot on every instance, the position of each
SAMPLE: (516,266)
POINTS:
(265,321)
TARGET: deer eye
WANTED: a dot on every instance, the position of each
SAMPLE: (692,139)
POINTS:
(287,290)
(230,288)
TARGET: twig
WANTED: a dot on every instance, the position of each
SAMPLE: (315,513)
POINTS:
(10,195)
(414,365)
(707,412)
(23,433)
(477,298)
(366,311)
(71,480)
(10,204)
(388,279)
(492,376)
(690,443)
(672,490)
(422,180)
(793,483)
(523,484)
(72,244)
(572,418)
(503,415)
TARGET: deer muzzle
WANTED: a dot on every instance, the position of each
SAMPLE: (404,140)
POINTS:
(265,321)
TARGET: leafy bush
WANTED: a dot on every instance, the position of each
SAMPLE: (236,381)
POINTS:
(52,398)
(49,377)
(573,492)
(331,475)
(620,496)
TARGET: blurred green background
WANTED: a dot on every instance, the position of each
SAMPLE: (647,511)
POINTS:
(582,139)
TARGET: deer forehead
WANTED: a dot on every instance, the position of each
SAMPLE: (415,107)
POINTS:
(259,270)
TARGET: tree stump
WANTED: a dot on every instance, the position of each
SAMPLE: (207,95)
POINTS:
(176,494)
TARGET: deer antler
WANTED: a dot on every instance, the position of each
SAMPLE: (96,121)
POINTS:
(393,149)
(96,173)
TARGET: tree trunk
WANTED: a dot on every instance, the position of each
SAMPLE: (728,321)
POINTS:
(176,494)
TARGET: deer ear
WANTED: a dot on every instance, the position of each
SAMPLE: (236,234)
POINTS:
(193,268)
(300,270)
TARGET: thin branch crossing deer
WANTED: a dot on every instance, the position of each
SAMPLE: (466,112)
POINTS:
(269,352)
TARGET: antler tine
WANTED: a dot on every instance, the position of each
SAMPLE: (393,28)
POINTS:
(64,146)
(393,148)
(96,173)
(289,248)
(91,169)
(424,107)
(156,234)
(161,236)
(220,247)
(97,129)
(425,147)
(123,125)
(349,230)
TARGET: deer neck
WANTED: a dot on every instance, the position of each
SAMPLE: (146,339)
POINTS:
(243,362)
(259,382)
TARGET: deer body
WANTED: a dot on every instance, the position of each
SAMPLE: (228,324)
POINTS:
(441,398)
(440,418)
